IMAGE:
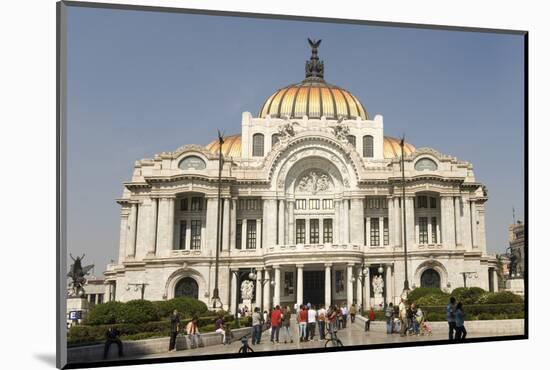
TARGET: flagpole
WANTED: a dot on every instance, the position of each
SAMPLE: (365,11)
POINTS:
(216,295)
(406,282)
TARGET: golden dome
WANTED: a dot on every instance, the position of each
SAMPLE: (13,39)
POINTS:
(232,147)
(313,97)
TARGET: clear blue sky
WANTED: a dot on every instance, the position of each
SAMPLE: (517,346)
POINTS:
(141,83)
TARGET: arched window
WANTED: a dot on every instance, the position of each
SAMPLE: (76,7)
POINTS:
(258,145)
(275,139)
(187,287)
(430,279)
(368,146)
(351,140)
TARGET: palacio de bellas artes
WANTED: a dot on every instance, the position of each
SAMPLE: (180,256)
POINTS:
(311,202)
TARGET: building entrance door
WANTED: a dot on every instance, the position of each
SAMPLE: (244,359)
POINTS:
(314,287)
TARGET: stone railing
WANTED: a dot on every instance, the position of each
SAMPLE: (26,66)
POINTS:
(314,247)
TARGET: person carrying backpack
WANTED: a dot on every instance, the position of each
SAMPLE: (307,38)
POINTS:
(389,316)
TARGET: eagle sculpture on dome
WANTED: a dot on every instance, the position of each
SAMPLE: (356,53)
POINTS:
(314,66)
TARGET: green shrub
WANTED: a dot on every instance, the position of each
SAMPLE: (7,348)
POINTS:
(416,293)
(186,306)
(433,299)
(479,312)
(468,295)
(138,311)
(502,298)
(106,313)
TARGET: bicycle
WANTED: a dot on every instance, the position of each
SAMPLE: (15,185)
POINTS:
(333,341)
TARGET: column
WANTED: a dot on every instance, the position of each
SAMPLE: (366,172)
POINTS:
(162,228)
(131,241)
(188,235)
(225,222)
(358,289)
(277,286)
(367,291)
(170,220)
(267,291)
(152,245)
(398,216)
(124,213)
(233,291)
(430,239)
(259,287)
(391,221)
(270,231)
(290,223)
(466,224)
(458,229)
(233,223)
(495,281)
(356,221)
(259,233)
(473,210)
(307,232)
(381,230)
(225,275)
(244,233)
(349,287)
(410,222)
(446,221)
(337,224)
(388,284)
(211,224)
(328,284)
(346,221)
(281,236)
(300,284)
(367,226)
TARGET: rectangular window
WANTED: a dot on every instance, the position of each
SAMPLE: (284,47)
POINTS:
(314,204)
(300,204)
(258,145)
(92,298)
(239,234)
(183,233)
(422,201)
(250,234)
(100,298)
(327,230)
(196,204)
(374,232)
(289,283)
(422,230)
(433,202)
(314,231)
(196,226)
(300,231)
(184,204)
(328,204)
(386,231)
(434,230)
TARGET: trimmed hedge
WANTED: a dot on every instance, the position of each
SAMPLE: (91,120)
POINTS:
(479,312)
(419,292)
(469,295)
(106,313)
(186,306)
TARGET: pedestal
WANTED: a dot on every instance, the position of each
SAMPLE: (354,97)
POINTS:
(378,302)
(77,310)
(516,286)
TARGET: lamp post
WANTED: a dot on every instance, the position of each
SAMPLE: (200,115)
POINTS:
(216,301)
(138,287)
(468,275)
(362,277)
(406,282)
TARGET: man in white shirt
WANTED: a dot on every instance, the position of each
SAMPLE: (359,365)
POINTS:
(344,316)
(311,322)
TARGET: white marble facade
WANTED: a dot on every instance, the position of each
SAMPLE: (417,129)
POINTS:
(309,206)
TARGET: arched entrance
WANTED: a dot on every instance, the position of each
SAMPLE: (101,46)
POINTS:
(187,287)
(430,279)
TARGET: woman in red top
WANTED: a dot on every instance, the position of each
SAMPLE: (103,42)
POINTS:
(276,318)
(302,323)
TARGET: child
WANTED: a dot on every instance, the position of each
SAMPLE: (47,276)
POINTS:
(426,328)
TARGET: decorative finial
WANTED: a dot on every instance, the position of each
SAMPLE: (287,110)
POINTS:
(314,66)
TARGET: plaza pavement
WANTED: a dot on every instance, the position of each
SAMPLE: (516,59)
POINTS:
(354,334)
